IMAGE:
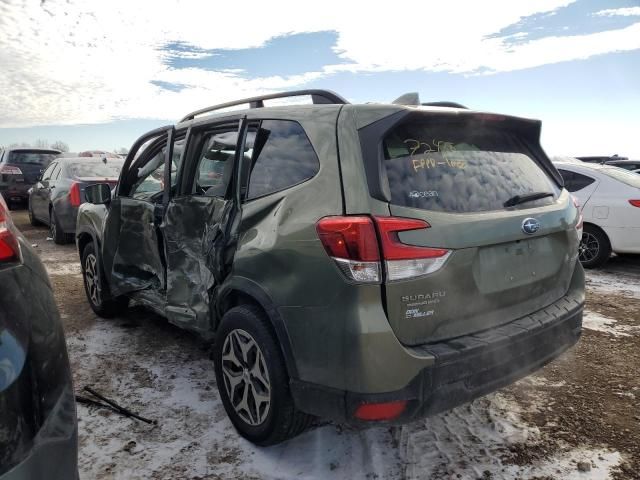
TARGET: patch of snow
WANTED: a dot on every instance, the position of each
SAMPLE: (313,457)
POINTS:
(63,268)
(162,373)
(595,321)
(622,283)
(473,441)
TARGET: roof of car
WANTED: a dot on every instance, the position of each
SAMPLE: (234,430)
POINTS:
(366,113)
(622,162)
(30,149)
(90,160)
(586,166)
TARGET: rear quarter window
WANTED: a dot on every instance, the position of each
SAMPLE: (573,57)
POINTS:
(282,157)
(574,181)
(461,167)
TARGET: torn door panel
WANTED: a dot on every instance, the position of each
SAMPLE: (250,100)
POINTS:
(137,264)
(196,232)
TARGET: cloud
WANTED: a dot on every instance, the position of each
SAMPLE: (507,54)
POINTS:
(615,12)
(84,61)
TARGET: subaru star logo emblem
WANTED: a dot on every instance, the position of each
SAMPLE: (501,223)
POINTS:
(530,226)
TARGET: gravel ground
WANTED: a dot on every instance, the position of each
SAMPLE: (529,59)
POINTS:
(577,418)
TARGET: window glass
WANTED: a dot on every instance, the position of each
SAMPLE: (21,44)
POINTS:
(176,159)
(461,167)
(574,181)
(148,173)
(56,172)
(46,175)
(215,163)
(111,169)
(25,157)
(149,177)
(281,156)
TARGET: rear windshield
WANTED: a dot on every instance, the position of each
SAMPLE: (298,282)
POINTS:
(30,158)
(461,167)
(630,178)
(95,169)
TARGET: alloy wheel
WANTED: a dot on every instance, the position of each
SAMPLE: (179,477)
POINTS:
(91,279)
(246,378)
(589,247)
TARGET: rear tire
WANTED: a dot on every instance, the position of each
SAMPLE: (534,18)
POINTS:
(252,379)
(595,248)
(32,219)
(95,287)
(55,230)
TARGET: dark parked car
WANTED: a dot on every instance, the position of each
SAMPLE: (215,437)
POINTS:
(601,158)
(20,169)
(626,164)
(55,198)
(364,263)
(38,429)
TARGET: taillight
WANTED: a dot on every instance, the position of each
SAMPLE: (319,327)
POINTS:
(74,194)
(10,170)
(407,261)
(380,411)
(635,203)
(580,218)
(351,242)
(9,249)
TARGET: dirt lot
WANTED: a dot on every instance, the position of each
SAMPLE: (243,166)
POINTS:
(578,418)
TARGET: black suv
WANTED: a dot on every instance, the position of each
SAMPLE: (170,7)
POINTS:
(20,169)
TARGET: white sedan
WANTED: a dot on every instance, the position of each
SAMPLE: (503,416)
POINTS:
(610,201)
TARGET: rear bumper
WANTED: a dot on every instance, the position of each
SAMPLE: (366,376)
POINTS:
(465,368)
(15,191)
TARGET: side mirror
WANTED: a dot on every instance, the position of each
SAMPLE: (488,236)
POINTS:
(98,193)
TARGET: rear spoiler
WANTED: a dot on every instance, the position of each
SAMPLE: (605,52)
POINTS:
(371,142)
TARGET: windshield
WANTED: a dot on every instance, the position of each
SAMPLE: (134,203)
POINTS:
(95,169)
(31,158)
(461,168)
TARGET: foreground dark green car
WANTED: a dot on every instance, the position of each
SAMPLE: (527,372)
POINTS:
(362,263)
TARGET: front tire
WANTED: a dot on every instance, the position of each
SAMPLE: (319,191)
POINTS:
(95,287)
(252,379)
(595,248)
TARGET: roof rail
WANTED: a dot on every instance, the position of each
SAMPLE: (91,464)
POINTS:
(317,96)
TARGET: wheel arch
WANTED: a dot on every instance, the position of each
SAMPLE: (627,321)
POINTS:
(595,225)
(239,291)
(84,236)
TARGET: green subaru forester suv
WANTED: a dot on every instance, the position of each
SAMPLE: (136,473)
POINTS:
(362,263)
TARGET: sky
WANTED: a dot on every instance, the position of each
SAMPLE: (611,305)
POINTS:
(98,74)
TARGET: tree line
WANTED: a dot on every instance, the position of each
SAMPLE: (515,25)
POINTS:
(57,145)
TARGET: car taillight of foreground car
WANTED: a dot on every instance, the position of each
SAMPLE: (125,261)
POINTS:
(9,249)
